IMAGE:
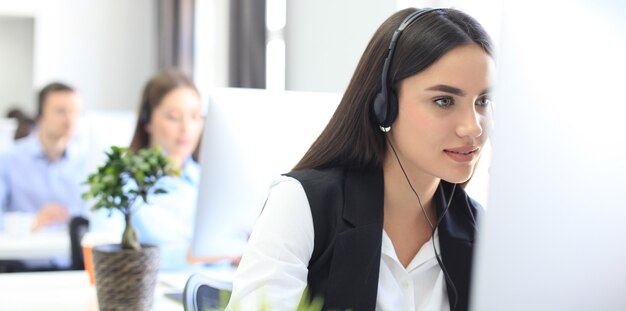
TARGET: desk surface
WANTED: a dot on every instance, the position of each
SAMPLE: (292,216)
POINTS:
(41,245)
(70,290)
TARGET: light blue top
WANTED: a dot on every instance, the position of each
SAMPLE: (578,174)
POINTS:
(167,219)
(28,179)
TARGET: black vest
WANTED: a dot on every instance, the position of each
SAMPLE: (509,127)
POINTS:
(347,210)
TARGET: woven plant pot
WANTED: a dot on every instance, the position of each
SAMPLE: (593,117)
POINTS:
(125,279)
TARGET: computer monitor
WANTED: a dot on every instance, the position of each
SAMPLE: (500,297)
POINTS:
(250,137)
(554,235)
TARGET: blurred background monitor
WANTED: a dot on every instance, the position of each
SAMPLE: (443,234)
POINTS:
(554,235)
(250,138)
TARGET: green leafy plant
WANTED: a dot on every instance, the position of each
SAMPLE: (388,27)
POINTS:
(124,178)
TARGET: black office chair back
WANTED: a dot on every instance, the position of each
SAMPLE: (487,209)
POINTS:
(78,227)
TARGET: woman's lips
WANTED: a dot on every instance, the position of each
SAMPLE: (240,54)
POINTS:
(183,142)
(462,154)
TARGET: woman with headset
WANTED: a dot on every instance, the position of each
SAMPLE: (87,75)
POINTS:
(170,116)
(375,216)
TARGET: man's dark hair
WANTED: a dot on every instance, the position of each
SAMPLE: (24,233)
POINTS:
(43,94)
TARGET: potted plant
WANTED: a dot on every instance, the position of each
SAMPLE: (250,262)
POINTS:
(126,272)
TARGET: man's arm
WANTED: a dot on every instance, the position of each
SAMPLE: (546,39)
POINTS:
(49,214)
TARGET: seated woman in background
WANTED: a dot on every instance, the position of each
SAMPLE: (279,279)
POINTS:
(170,116)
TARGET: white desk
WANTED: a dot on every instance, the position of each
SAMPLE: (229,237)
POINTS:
(70,290)
(40,245)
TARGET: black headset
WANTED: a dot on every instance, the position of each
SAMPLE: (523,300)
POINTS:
(385,105)
(144,116)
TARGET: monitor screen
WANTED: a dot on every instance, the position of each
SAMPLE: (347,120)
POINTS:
(250,137)
(554,235)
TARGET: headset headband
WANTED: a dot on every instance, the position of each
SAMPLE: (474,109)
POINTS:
(382,105)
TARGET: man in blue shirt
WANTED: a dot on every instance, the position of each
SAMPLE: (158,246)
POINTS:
(42,174)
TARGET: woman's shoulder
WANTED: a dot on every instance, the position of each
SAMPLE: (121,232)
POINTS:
(322,185)
(315,174)
(336,177)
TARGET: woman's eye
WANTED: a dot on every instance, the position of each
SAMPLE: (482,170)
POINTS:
(484,102)
(444,102)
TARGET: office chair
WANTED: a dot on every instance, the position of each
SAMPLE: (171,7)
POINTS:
(198,295)
(78,227)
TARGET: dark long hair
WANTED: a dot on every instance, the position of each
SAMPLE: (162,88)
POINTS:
(153,93)
(352,138)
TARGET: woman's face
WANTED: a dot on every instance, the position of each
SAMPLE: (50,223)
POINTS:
(176,123)
(444,115)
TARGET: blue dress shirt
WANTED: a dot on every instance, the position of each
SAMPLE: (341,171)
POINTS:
(28,179)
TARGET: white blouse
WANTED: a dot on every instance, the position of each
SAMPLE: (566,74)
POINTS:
(273,270)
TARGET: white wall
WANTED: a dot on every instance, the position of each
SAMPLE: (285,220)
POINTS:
(325,39)
(16,61)
(101,129)
(105,48)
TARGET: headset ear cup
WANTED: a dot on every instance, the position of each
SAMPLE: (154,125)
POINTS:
(380,108)
(144,118)
(392,108)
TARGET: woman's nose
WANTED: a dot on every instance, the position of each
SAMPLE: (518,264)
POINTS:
(469,125)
